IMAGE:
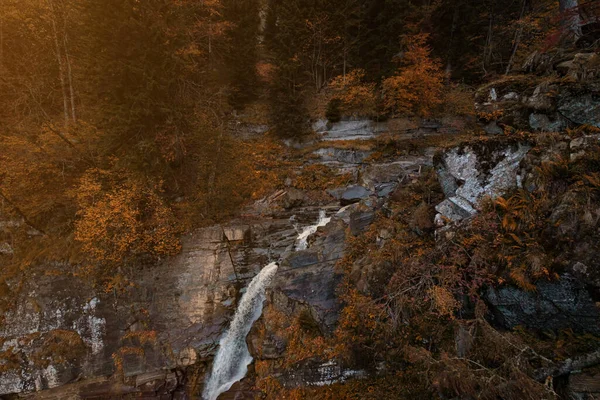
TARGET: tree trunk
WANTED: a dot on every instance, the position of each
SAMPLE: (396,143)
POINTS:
(451,44)
(1,33)
(61,72)
(487,49)
(571,21)
(70,76)
(517,39)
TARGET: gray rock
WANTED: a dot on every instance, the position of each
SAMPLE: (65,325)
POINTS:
(553,306)
(315,372)
(360,221)
(345,212)
(188,301)
(543,98)
(511,96)
(309,277)
(385,189)
(407,166)
(448,182)
(336,193)
(492,128)
(303,259)
(6,248)
(581,108)
(349,130)
(564,67)
(293,198)
(584,67)
(541,122)
(469,173)
(354,194)
(452,211)
(346,156)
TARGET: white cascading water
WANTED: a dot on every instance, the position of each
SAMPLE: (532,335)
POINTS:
(232,360)
(302,241)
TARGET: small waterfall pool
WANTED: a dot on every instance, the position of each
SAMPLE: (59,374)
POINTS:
(231,362)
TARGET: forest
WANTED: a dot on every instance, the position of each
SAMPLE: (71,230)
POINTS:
(120,137)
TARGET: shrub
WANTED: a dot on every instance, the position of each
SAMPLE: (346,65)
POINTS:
(416,89)
(355,96)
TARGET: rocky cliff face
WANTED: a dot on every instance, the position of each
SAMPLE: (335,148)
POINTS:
(542,103)
(182,306)
(167,324)
(66,340)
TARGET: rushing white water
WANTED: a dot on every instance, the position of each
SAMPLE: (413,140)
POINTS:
(302,241)
(232,360)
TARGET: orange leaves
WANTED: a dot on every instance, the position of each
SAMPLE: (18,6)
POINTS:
(320,177)
(359,322)
(121,220)
(416,89)
(357,96)
(443,301)
(593,180)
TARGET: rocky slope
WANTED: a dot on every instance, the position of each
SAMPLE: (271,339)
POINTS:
(68,341)
(171,318)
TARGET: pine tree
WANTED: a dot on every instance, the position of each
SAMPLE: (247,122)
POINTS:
(242,35)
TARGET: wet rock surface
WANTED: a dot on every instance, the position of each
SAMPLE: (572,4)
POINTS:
(565,304)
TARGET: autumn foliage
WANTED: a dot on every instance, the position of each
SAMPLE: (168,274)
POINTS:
(357,97)
(120,219)
(416,88)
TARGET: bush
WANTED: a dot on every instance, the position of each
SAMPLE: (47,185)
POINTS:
(354,96)
(416,88)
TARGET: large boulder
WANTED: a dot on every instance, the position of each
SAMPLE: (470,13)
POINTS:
(580,105)
(553,306)
(583,67)
(293,198)
(470,172)
(354,194)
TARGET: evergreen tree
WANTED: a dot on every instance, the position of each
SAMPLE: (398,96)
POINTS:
(242,33)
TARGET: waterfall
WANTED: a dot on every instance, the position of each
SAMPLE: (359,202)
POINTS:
(302,241)
(232,360)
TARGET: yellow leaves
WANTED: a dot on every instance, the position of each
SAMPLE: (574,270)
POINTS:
(318,176)
(117,283)
(417,87)
(490,116)
(356,96)
(142,337)
(509,223)
(516,239)
(443,301)
(119,221)
(520,278)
